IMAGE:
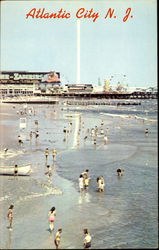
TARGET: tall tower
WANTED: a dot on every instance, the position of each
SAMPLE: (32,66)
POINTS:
(78,52)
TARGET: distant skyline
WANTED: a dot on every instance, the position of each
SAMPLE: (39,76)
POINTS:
(108,46)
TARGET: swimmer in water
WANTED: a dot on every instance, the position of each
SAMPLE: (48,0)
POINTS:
(120,171)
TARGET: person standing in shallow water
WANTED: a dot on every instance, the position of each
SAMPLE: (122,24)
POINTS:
(120,171)
(81,183)
(105,140)
(57,239)
(87,239)
(101,184)
(10,216)
(52,214)
(86,178)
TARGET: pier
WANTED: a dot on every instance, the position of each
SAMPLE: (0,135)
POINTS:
(82,98)
(106,95)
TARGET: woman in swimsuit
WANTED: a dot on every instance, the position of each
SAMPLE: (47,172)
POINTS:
(52,214)
(10,216)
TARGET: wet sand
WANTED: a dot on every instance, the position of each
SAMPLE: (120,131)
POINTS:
(33,195)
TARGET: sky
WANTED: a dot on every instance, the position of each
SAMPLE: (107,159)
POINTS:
(109,47)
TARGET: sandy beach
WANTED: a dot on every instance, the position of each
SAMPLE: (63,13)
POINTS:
(124,216)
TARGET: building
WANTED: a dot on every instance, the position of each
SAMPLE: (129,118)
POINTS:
(79,88)
(28,83)
(151,89)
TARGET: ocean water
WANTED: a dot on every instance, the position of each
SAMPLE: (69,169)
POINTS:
(124,216)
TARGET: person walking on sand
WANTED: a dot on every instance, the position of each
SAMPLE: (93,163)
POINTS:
(36,134)
(46,153)
(87,239)
(102,123)
(94,141)
(31,135)
(54,153)
(16,170)
(57,238)
(64,130)
(10,216)
(5,150)
(49,169)
(146,131)
(52,214)
(20,139)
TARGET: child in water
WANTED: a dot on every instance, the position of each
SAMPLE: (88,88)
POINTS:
(58,238)
(87,239)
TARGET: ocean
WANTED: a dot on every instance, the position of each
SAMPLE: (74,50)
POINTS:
(124,216)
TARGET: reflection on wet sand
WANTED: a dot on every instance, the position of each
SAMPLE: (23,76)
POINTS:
(9,240)
(84,197)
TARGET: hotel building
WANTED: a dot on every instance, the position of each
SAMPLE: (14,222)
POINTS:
(28,83)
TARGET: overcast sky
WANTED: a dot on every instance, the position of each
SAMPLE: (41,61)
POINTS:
(108,46)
